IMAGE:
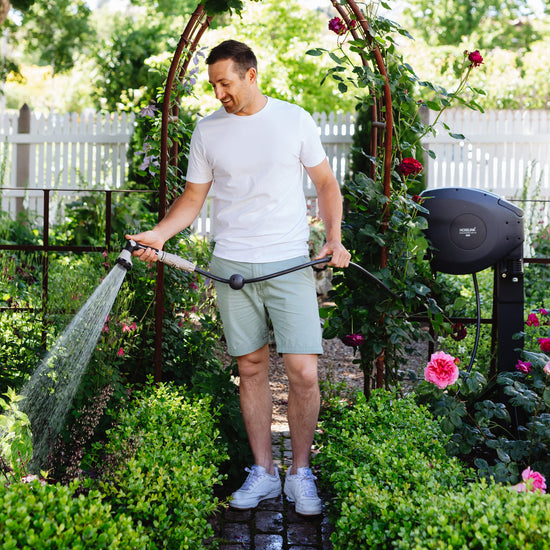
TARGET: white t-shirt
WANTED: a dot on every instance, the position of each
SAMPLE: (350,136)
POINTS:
(255,164)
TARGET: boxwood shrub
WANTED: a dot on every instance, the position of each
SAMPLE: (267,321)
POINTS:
(392,485)
(161,465)
(34,516)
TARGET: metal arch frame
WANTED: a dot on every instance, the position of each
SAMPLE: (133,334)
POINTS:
(189,40)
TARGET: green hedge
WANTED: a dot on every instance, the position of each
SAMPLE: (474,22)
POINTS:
(392,485)
(161,465)
(50,516)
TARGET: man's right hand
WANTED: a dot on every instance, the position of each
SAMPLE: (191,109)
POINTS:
(151,239)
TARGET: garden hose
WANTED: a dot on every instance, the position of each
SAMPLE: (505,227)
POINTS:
(236,281)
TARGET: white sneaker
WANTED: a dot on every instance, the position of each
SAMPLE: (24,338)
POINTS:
(301,489)
(259,485)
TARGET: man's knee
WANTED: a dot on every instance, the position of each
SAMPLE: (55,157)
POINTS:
(254,364)
(302,371)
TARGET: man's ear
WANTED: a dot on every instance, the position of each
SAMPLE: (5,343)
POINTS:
(251,75)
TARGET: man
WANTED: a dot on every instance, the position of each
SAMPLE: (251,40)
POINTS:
(252,151)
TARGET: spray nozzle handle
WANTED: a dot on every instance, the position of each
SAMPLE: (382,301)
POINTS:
(164,257)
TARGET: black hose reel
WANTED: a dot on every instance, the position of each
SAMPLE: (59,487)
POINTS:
(471,230)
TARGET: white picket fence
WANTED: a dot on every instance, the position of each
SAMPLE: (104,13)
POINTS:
(502,151)
(70,151)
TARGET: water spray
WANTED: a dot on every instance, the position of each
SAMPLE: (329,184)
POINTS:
(236,281)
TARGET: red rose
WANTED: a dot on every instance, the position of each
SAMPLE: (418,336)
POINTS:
(353,340)
(337,25)
(544,344)
(410,166)
(459,332)
(475,58)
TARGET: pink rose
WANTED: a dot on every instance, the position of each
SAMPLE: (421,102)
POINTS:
(533,320)
(120,352)
(542,311)
(532,481)
(441,370)
(524,366)
(475,58)
(546,368)
(409,166)
(544,344)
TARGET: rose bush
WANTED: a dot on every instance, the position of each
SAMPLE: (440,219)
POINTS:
(379,226)
(501,425)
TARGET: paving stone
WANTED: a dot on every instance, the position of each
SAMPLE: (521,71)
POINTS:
(232,515)
(302,533)
(236,533)
(294,517)
(269,521)
(271,504)
(268,542)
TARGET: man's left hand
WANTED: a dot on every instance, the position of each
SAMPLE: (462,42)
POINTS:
(340,256)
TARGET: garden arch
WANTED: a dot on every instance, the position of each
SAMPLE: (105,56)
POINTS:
(381,133)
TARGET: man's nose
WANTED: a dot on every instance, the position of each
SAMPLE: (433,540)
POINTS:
(219,92)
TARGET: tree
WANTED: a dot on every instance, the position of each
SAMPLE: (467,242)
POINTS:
(56,31)
(124,80)
(505,24)
(167,8)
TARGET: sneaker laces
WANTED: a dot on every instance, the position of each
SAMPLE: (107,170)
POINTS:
(306,482)
(254,476)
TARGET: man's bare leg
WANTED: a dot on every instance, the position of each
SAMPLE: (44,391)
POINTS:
(256,404)
(303,405)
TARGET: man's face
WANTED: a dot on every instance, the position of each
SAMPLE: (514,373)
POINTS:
(234,92)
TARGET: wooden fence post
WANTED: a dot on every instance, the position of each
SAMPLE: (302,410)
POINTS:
(23,151)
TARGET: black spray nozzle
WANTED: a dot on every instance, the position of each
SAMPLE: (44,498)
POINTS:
(125,257)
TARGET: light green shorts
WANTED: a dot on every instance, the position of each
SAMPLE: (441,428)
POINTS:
(288,301)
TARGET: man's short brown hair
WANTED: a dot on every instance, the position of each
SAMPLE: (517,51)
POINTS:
(239,52)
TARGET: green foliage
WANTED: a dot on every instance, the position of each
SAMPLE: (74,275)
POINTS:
(482,515)
(168,8)
(511,78)
(15,436)
(124,80)
(37,515)
(160,465)
(393,485)
(506,24)
(21,335)
(65,23)
(382,458)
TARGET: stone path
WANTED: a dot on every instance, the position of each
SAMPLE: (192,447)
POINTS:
(274,524)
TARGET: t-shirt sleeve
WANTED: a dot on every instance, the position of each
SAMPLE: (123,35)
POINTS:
(198,167)
(312,151)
